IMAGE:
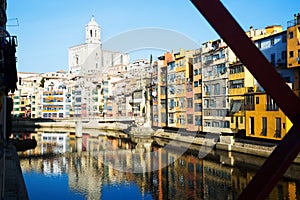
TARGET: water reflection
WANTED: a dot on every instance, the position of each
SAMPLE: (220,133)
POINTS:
(65,167)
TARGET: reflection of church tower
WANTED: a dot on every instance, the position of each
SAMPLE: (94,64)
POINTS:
(93,32)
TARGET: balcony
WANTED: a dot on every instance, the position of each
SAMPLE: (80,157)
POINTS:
(263,132)
(294,22)
(272,107)
(249,107)
(277,134)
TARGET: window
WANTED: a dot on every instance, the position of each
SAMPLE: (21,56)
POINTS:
(206,103)
(283,55)
(190,119)
(278,127)
(251,125)
(198,107)
(190,102)
(172,104)
(163,117)
(257,100)
(283,38)
(239,83)
(195,72)
(163,90)
(273,58)
(221,69)
(207,89)
(259,44)
(207,124)
(182,102)
(181,119)
(236,69)
(249,102)
(224,90)
(224,103)
(291,35)
(241,120)
(171,66)
(198,96)
(226,124)
(271,104)
(217,89)
(196,84)
(272,41)
(198,120)
(212,103)
(264,126)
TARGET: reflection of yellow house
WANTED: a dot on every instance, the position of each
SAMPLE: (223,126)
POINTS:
(240,82)
(264,119)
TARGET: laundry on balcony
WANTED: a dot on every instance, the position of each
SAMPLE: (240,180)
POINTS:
(236,106)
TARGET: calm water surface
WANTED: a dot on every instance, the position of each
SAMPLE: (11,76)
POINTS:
(63,167)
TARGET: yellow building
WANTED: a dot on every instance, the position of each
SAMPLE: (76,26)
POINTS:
(293,49)
(183,79)
(197,88)
(264,119)
(180,89)
(240,82)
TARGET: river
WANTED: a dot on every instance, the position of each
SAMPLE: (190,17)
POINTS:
(110,167)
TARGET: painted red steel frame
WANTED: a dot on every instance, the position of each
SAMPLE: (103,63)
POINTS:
(284,154)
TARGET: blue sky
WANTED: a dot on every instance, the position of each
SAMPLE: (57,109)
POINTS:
(47,28)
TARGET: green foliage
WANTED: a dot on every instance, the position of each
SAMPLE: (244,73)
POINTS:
(42,82)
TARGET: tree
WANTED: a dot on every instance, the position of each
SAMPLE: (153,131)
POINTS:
(42,82)
(101,108)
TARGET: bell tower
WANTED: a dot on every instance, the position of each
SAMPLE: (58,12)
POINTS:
(93,32)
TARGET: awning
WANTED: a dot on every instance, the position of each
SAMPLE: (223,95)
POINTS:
(236,106)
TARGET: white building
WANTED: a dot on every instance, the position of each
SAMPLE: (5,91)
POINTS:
(88,62)
(91,56)
(56,97)
(27,97)
(216,56)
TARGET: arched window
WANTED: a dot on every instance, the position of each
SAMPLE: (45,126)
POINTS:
(91,33)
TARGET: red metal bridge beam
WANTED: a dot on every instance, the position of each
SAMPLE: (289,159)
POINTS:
(284,154)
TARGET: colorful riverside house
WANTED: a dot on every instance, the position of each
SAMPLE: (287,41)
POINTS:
(27,99)
(165,65)
(293,50)
(197,88)
(56,102)
(180,89)
(154,92)
(179,73)
(241,81)
(263,117)
(216,56)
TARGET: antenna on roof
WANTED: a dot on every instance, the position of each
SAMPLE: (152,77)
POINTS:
(14,22)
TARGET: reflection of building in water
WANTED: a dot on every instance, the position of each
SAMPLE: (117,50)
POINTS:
(186,178)
(54,143)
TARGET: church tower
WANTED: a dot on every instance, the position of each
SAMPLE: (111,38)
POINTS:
(93,32)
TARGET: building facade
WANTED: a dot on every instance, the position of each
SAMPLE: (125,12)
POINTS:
(216,56)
